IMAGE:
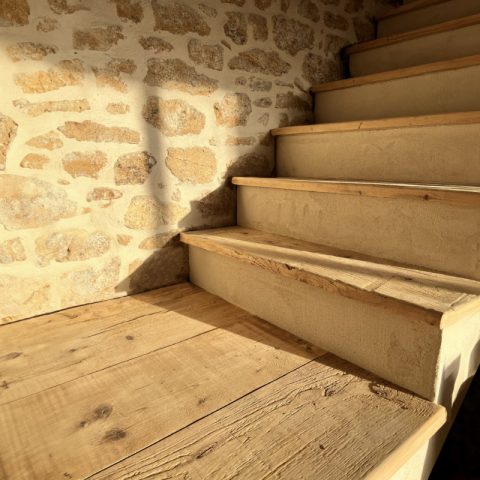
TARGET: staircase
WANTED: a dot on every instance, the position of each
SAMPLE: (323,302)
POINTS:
(367,243)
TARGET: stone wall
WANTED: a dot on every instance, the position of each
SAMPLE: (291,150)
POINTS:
(120,121)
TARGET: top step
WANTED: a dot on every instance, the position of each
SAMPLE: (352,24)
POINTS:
(443,41)
(424,13)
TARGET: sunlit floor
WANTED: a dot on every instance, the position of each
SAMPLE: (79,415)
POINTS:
(176,383)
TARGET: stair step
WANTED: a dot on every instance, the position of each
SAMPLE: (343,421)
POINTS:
(378,315)
(436,88)
(443,41)
(424,13)
(433,226)
(439,148)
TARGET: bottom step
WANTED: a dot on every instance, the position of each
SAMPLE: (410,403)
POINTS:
(169,383)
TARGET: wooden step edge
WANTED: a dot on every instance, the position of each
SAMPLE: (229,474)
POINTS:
(329,284)
(453,195)
(398,74)
(444,119)
(414,34)
(409,7)
(406,450)
(460,310)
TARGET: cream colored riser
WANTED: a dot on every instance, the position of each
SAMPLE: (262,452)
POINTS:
(439,92)
(427,16)
(447,154)
(432,48)
(429,234)
(436,364)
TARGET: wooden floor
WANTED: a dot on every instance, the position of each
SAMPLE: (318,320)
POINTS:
(176,383)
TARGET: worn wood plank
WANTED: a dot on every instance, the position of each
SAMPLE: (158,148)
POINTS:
(326,420)
(53,349)
(422,295)
(399,73)
(80,427)
(413,34)
(466,196)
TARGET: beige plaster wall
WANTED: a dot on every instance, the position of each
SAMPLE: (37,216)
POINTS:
(120,121)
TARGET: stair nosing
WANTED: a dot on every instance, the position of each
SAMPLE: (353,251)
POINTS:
(399,73)
(456,24)
(432,316)
(444,119)
(457,195)
(409,7)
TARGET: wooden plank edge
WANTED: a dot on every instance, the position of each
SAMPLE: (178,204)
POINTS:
(442,194)
(460,310)
(414,34)
(399,73)
(409,7)
(371,297)
(400,455)
(458,118)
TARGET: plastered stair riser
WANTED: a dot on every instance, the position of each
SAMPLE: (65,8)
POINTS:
(426,49)
(431,13)
(445,91)
(447,154)
(410,353)
(431,234)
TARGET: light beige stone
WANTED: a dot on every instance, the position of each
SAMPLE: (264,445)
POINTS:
(97,38)
(236,27)
(71,245)
(39,108)
(333,44)
(157,44)
(124,240)
(263,119)
(292,101)
(259,26)
(238,3)
(159,241)
(317,69)
(218,207)
(309,10)
(30,51)
(209,56)
(47,24)
(208,10)
(68,72)
(103,194)
(236,141)
(14,13)
(251,164)
(109,76)
(118,108)
(67,6)
(129,10)
(27,202)
(88,131)
(264,102)
(364,29)
(260,61)
(233,110)
(145,213)
(263,4)
(334,21)
(133,168)
(8,132)
(194,165)
(84,164)
(48,141)
(354,6)
(291,35)
(175,74)
(178,17)
(257,84)
(34,161)
(173,117)
(12,251)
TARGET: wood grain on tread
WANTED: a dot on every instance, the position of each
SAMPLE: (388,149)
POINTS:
(461,118)
(407,72)
(409,7)
(414,34)
(323,421)
(466,196)
(422,295)
(82,426)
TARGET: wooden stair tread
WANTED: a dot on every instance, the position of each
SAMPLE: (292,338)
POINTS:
(413,34)
(428,296)
(286,394)
(468,196)
(389,75)
(459,118)
(409,7)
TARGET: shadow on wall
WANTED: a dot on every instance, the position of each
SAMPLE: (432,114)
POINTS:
(123,120)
